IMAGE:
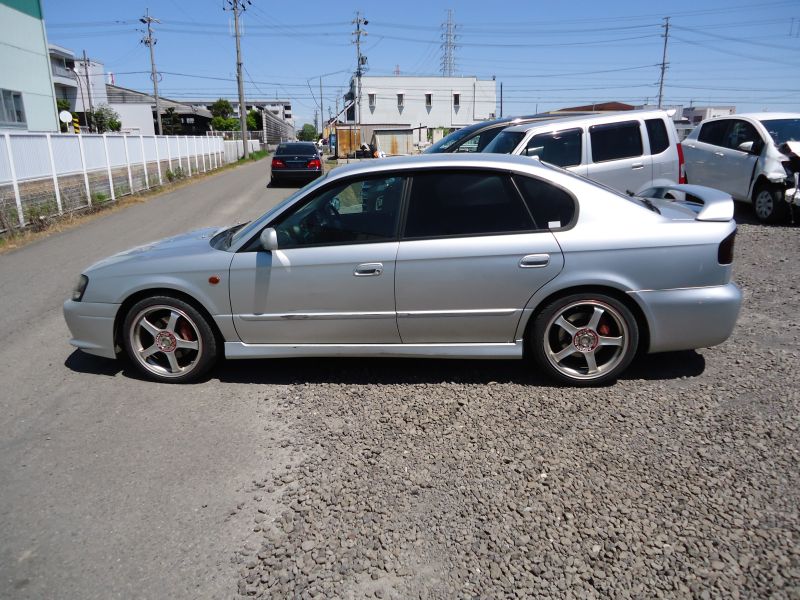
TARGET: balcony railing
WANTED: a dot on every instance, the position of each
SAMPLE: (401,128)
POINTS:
(60,71)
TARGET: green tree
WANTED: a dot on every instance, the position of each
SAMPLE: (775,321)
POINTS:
(254,120)
(221,108)
(225,124)
(62,104)
(172,122)
(104,118)
(308,133)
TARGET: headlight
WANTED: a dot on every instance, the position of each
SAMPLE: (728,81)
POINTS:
(80,288)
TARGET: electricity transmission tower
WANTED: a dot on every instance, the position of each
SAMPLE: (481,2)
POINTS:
(238,7)
(150,41)
(449,45)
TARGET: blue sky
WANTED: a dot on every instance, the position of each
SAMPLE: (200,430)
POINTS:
(547,54)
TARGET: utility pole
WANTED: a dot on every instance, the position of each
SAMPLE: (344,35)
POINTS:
(663,62)
(89,122)
(501,99)
(238,6)
(321,110)
(150,41)
(360,61)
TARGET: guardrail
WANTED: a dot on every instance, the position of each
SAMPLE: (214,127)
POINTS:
(43,175)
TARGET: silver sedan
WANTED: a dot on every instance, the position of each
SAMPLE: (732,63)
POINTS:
(449,256)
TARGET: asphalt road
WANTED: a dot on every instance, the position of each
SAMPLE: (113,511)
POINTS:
(111,487)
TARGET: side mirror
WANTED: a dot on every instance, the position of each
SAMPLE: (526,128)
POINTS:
(746,147)
(269,239)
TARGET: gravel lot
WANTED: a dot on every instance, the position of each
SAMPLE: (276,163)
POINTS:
(446,479)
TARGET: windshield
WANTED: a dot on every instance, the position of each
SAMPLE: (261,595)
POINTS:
(783,130)
(253,226)
(447,142)
(505,142)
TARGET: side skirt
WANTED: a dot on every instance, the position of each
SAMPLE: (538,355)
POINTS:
(479,351)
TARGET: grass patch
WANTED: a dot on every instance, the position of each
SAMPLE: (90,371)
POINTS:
(257,155)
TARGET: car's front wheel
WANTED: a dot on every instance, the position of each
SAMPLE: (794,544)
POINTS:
(769,204)
(584,339)
(169,340)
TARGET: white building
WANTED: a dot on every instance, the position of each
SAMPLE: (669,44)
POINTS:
(427,102)
(698,114)
(26,84)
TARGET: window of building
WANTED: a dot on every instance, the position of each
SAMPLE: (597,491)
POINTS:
(562,148)
(372,98)
(428,100)
(400,100)
(614,141)
(450,203)
(12,111)
(657,132)
(456,100)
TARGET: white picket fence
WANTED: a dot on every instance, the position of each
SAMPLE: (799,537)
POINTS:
(44,174)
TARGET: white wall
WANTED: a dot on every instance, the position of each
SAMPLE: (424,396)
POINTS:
(135,118)
(477,101)
(25,67)
(97,83)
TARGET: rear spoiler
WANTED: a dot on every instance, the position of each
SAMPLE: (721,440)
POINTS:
(708,203)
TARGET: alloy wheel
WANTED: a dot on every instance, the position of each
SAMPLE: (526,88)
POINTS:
(586,339)
(165,341)
(764,204)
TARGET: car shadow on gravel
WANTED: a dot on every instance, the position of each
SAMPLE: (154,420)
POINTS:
(387,371)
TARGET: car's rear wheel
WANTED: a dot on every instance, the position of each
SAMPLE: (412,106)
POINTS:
(768,203)
(584,339)
(168,340)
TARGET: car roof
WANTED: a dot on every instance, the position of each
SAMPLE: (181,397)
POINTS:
(759,116)
(609,117)
(455,160)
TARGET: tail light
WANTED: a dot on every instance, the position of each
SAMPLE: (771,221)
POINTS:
(725,252)
(277,163)
(681,165)
(314,164)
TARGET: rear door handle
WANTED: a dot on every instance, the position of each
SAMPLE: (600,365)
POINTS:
(532,261)
(690,145)
(719,153)
(368,270)
(637,166)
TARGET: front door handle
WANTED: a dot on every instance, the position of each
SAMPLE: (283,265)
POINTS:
(533,261)
(368,270)
(719,153)
(636,166)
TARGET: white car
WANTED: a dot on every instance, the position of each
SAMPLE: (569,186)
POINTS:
(754,157)
(629,151)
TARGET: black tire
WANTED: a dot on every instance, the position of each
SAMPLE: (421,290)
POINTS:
(175,345)
(769,204)
(273,182)
(587,324)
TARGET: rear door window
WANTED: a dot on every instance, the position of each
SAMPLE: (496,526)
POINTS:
(657,132)
(614,141)
(550,206)
(714,132)
(464,203)
(561,148)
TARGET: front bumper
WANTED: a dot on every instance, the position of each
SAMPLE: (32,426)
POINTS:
(690,318)
(92,326)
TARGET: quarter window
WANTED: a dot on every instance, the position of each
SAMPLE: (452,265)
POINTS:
(364,211)
(550,206)
(562,148)
(657,132)
(614,141)
(450,203)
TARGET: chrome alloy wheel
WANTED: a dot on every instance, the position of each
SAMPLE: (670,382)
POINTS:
(586,339)
(165,341)
(764,204)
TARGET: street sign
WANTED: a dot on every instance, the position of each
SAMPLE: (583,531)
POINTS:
(65,116)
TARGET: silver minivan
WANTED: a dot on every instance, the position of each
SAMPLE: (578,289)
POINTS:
(628,151)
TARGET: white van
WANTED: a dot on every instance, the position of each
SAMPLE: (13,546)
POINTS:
(628,151)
